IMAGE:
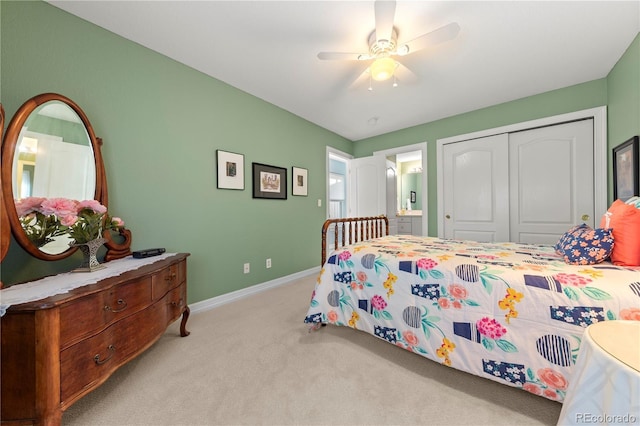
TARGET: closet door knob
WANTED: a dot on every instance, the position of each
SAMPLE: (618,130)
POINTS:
(585,217)
(448,216)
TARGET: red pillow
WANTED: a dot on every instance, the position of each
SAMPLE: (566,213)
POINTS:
(624,221)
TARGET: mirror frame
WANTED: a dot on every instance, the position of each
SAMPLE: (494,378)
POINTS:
(9,144)
(5,226)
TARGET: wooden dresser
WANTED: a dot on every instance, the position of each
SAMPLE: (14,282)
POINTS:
(58,349)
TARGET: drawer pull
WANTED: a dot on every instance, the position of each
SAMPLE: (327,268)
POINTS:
(98,361)
(178,303)
(170,277)
(122,306)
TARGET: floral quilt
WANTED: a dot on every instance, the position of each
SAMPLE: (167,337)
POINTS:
(513,313)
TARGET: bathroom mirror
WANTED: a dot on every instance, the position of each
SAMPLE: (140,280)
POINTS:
(50,150)
(410,181)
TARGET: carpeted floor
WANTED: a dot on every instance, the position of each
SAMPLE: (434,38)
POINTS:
(254,361)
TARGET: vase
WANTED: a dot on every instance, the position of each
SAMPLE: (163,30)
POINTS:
(89,251)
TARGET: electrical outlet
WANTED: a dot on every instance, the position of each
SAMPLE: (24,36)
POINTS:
(319,202)
(246,268)
(268,263)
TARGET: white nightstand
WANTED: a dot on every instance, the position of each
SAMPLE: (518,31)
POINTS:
(605,385)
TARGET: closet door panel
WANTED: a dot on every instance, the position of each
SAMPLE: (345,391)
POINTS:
(476,189)
(551,181)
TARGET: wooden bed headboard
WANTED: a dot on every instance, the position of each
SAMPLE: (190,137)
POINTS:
(351,230)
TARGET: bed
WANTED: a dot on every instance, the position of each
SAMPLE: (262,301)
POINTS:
(513,313)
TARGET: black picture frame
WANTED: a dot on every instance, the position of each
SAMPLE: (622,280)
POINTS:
(626,181)
(269,181)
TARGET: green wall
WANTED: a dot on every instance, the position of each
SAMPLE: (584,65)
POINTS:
(623,89)
(162,123)
(69,132)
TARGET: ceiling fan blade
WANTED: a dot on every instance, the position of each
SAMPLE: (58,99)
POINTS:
(343,56)
(360,81)
(442,34)
(385,13)
(405,75)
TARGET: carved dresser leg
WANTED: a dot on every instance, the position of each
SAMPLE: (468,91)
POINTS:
(183,323)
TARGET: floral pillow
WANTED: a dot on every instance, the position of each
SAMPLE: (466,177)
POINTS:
(569,235)
(583,245)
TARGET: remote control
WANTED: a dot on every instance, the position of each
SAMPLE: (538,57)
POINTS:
(139,254)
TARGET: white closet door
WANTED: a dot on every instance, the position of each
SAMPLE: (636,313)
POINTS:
(551,181)
(476,189)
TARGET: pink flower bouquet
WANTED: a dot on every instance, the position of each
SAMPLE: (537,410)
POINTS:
(45,218)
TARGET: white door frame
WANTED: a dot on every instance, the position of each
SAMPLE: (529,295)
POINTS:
(344,155)
(599,116)
(422,146)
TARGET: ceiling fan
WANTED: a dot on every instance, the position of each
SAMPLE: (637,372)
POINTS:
(384,46)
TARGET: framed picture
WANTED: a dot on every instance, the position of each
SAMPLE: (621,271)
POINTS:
(269,182)
(299,181)
(230,170)
(625,170)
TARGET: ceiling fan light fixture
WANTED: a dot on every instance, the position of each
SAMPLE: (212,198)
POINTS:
(382,69)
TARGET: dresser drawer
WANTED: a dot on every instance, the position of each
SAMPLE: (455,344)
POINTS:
(176,302)
(87,361)
(90,361)
(168,279)
(91,313)
(126,299)
(80,318)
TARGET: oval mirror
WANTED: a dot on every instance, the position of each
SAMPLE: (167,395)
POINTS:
(49,150)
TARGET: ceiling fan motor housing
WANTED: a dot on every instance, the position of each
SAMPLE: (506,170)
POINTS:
(382,47)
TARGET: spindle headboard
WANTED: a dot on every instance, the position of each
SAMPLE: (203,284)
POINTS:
(351,230)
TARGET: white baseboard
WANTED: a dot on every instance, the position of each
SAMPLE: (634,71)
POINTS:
(223,299)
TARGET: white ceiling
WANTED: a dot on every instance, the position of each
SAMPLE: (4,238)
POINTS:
(505,50)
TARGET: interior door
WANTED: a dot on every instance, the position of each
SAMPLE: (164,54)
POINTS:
(64,169)
(392,197)
(476,189)
(551,181)
(367,186)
